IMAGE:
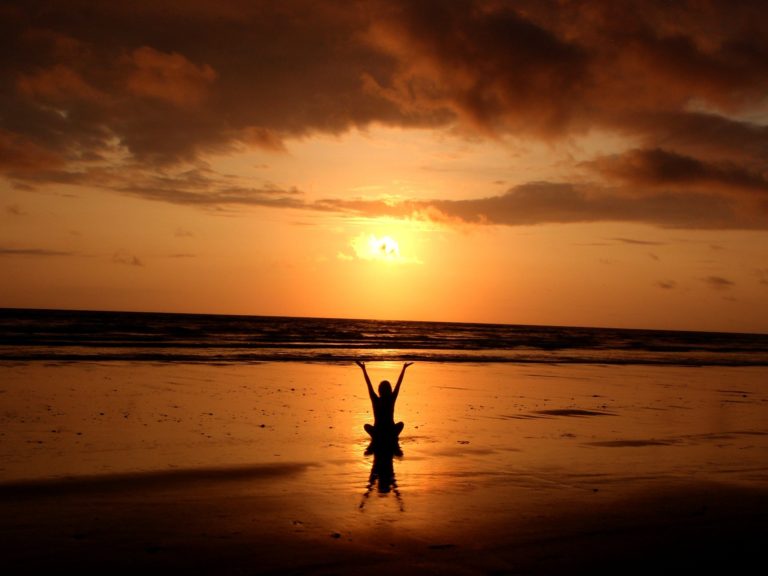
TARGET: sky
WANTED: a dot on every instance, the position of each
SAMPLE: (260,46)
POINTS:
(591,163)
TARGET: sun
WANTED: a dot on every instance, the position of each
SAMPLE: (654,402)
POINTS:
(384,248)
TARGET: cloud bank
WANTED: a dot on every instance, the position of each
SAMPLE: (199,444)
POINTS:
(159,85)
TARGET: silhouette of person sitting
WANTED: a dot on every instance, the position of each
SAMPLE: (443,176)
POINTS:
(384,432)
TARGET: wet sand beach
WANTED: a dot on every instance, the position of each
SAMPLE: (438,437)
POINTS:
(506,469)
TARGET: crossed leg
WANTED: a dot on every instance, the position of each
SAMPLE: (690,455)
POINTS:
(371,429)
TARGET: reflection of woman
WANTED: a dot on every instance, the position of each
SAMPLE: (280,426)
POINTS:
(384,426)
(382,478)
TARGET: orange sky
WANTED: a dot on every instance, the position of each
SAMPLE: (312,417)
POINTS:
(599,164)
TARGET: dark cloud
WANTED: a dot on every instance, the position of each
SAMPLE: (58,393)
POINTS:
(485,63)
(638,242)
(161,84)
(170,83)
(659,168)
(705,135)
(198,186)
(14,210)
(4,251)
(718,282)
(547,202)
(124,257)
(554,67)
(176,193)
(666,284)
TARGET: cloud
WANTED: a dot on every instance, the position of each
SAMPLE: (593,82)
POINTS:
(556,69)
(718,282)
(124,257)
(169,77)
(638,242)
(14,210)
(58,83)
(562,203)
(20,157)
(709,135)
(296,67)
(480,62)
(160,86)
(666,284)
(198,186)
(170,84)
(657,168)
(4,251)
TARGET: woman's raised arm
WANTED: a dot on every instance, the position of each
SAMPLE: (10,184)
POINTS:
(371,393)
(400,379)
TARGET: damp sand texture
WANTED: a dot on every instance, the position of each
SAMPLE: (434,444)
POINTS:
(261,468)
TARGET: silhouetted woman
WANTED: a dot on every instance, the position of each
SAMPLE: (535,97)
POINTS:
(384,428)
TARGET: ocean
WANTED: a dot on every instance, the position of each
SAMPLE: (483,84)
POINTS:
(68,336)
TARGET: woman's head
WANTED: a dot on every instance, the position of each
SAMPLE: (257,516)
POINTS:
(385,388)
